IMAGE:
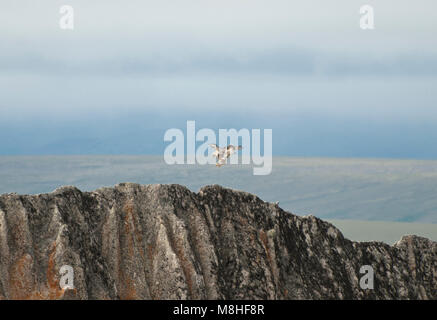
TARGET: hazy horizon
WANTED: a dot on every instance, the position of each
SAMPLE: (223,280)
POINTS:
(330,188)
(130,71)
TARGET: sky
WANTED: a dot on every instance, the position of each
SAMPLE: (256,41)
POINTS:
(130,70)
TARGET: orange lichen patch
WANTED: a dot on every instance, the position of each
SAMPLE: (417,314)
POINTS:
(126,283)
(263,237)
(54,290)
(70,294)
(128,290)
(136,250)
(128,207)
(21,283)
(128,221)
(151,252)
(134,235)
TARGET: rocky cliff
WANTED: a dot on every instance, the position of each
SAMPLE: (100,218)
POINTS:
(166,242)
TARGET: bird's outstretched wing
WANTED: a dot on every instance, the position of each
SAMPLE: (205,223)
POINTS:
(221,154)
(230,149)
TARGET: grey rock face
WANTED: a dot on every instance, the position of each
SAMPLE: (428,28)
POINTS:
(166,242)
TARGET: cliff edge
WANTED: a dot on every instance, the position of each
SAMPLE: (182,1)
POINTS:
(165,242)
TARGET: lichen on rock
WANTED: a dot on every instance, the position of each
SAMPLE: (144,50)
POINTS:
(165,242)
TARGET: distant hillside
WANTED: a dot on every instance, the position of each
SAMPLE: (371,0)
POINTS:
(353,189)
(388,232)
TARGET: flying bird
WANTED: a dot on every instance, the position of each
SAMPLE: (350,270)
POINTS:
(218,152)
(222,154)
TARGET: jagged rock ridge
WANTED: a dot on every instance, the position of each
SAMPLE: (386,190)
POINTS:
(166,242)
